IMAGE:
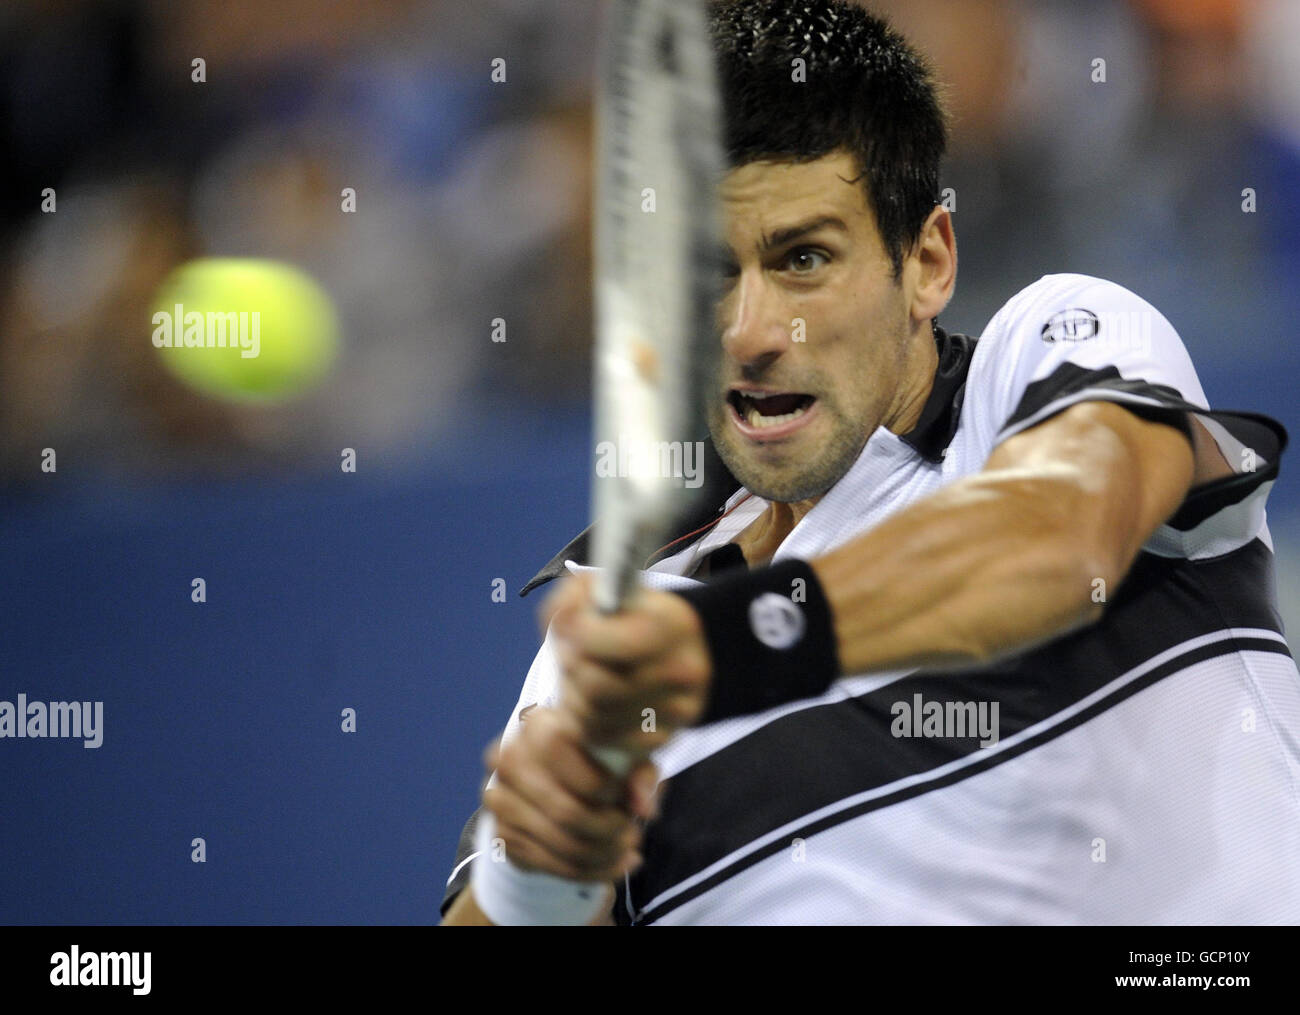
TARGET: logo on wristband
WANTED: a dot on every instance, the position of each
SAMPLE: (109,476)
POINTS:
(776,621)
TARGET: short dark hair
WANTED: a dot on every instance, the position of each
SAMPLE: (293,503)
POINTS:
(865,90)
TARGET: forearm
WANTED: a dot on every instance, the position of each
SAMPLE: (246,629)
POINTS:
(975,572)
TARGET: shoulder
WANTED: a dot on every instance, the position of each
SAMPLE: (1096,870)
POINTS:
(1070,308)
(1074,337)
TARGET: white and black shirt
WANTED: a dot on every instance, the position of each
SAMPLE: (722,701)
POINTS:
(1145,769)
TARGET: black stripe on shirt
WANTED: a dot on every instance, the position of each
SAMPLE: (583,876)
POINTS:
(818,756)
(1226,647)
(1070,378)
(1266,436)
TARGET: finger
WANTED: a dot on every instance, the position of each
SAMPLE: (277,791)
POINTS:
(547,846)
(616,639)
(551,605)
(517,817)
(639,743)
(580,823)
(632,723)
(597,699)
(492,755)
(657,801)
(599,726)
(557,737)
(601,688)
(560,741)
(529,854)
(568,597)
(641,785)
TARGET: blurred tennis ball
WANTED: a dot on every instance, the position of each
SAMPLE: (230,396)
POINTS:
(248,330)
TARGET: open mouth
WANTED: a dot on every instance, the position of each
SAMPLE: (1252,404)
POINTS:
(762,409)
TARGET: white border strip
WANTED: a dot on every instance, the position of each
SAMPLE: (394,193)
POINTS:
(1086,395)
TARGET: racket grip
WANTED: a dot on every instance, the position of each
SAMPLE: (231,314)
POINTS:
(612,586)
(617,763)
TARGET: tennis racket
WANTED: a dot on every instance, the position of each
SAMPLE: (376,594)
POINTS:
(657,280)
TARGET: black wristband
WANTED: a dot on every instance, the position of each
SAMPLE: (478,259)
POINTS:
(771,636)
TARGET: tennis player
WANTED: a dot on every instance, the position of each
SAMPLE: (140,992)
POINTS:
(979,630)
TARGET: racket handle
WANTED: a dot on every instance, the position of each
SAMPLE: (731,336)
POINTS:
(612,586)
(617,762)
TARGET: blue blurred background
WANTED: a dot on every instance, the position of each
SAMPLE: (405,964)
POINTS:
(373,590)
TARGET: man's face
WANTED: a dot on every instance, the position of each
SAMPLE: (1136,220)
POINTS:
(797,401)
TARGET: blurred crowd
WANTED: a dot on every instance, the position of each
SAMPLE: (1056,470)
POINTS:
(470,206)
(472,198)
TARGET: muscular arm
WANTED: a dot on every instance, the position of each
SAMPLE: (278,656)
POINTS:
(990,565)
(1006,559)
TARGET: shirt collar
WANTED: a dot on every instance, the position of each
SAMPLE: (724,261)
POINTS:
(942,410)
(930,438)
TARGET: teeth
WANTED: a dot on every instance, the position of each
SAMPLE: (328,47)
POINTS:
(756,418)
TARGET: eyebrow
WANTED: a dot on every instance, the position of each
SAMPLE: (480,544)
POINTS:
(790,233)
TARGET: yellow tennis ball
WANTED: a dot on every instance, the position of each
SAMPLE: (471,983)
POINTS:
(245,329)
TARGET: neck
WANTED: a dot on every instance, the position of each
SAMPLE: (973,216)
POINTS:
(914,391)
(759,542)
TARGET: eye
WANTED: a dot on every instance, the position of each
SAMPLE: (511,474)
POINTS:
(806,260)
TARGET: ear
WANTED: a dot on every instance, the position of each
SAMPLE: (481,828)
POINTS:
(930,271)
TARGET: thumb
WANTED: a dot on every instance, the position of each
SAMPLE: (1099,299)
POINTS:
(642,783)
(565,600)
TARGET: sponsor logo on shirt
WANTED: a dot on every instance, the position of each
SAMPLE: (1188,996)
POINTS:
(1071,326)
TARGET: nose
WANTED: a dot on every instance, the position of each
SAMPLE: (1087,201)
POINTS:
(753,333)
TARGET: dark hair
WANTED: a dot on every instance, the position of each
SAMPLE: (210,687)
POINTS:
(865,90)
